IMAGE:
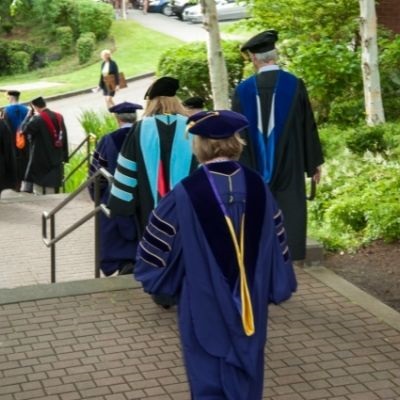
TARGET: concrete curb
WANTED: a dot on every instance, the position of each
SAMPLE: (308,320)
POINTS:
(356,295)
(64,289)
(89,90)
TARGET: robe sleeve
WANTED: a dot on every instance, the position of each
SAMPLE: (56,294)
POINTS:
(159,265)
(313,156)
(123,190)
(283,278)
(99,160)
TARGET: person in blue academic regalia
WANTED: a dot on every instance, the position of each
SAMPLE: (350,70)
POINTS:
(118,237)
(218,243)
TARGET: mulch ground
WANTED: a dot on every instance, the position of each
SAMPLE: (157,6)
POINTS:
(374,269)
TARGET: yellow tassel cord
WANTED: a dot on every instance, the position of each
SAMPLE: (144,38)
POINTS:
(247,308)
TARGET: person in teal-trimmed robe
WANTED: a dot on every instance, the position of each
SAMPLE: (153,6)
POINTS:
(217,242)
(282,138)
(155,156)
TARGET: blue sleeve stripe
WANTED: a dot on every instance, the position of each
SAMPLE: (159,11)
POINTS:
(125,179)
(128,164)
(121,194)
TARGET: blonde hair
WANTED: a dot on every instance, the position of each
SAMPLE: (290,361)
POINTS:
(164,105)
(105,52)
(205,149)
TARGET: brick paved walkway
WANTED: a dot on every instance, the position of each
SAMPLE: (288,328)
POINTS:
(118,345)
(104,339)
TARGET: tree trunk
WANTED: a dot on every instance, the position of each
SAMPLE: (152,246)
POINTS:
(216,61)
(123,9)
(369,63)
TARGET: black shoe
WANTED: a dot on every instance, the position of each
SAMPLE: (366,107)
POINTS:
(126,269)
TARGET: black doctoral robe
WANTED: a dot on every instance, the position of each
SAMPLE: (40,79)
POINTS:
(297,149)
(47,163)
(155,156)
(8,161)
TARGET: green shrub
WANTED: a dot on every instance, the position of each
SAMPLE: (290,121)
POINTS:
(20,61)
(7,26)
(97,124)
(96,17)
(65,39)
(79,176)
(358,199)
(189,64)
(85,46)
(367,138)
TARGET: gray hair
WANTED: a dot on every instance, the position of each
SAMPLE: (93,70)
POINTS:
(127,117)
(267,57)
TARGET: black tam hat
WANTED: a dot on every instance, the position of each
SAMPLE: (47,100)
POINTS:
(194,102)
(39,102)
(125,108)
(14,93)
(261,43)
(219,124)
(165,86)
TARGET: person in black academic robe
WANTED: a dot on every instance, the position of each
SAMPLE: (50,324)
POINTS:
(217,242)
(155,156)
(8,161)
(48,148)
(15,115)
(283,142)
(118,236)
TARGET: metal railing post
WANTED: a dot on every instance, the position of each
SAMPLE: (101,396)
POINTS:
(53,249)
(97,228)
(98,179)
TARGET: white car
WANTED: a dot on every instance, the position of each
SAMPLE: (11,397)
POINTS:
(226,10)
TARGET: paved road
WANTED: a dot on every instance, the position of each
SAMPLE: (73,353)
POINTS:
(72,107)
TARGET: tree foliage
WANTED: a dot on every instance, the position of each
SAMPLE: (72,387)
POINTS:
(319,41)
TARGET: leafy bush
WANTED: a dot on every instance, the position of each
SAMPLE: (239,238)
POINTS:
(65,39)
(95,17)
(97,124)
(358,199)
(367,138)
(20,61)
(189,63)
(79,176)
(85,46)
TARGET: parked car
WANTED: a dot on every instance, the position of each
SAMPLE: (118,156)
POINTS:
(160,6)
(226,10)
(179,6)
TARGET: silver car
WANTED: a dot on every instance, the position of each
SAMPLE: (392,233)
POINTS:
(226,10)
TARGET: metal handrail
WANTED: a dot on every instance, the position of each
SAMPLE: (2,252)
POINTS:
(88,139)
(97,179)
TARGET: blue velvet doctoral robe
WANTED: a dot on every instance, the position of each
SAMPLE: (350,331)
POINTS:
(187,251)
(118,237)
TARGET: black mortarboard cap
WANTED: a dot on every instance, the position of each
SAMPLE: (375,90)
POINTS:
(261,43)
(39,102)
(219,124)
(14,93)
(165,86)
(125,108)
(194,102)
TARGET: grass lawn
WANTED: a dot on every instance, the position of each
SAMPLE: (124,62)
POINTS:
(136,50)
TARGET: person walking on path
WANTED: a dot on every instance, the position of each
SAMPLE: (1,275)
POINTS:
(283,142)
(8,160)
(118,236)
(217,242)
(15,115)
(48,148)
(109,77)
(155,156)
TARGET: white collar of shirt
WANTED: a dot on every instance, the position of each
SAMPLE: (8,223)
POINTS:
(271,67)
(126,125)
